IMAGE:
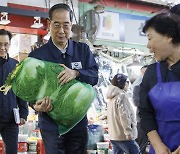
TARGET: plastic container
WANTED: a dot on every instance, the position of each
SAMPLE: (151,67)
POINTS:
(91,151)
(31,115)
(102,147)
(107,139)
(32,146)
(22,143)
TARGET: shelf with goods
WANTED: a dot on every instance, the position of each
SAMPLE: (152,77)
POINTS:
(98,137)
(29,138)
(31,134)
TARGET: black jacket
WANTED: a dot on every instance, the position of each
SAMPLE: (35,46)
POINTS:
(146,110)
(10,101)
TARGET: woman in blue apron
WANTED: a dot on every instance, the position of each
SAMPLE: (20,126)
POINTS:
(160,89)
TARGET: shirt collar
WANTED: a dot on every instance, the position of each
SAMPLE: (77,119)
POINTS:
(62,50)
(55,49)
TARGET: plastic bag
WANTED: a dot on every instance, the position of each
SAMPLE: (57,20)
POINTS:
(95,134)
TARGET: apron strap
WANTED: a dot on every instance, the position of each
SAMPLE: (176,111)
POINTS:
(158,72)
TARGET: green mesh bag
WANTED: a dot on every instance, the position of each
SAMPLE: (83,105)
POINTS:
(33,79)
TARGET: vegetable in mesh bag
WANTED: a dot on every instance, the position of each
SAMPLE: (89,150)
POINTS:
(33,79)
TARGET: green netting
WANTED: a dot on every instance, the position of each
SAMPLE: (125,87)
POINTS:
(33,79)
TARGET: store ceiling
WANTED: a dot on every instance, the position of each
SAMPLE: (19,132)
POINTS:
(48,3)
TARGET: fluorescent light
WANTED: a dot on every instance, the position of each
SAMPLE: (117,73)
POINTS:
(37,23)
(4,22)
(4,18)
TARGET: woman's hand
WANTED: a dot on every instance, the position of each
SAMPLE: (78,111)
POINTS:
(162,149)
(156,142)
(44,105)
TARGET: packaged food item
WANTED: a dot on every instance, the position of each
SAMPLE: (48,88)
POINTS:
(102,147)
(22,143)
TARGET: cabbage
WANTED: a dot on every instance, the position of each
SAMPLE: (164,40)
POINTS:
(33,79)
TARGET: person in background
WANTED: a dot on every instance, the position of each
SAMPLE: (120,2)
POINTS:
(78,63)
(160,88)
(8,126)
(175,9)
(142,139)
(121,117)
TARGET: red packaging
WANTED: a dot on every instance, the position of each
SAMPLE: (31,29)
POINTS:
(22,146)
(1,147)
(40,147)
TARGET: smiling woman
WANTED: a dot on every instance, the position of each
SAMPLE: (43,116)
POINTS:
(160,89)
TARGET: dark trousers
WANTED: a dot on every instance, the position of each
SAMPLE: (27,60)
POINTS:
(9,133)
(142,139)
(69,143)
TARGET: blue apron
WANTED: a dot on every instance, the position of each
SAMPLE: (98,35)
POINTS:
(165,98)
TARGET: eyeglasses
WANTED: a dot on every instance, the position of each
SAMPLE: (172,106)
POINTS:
(6,45)
(57,25)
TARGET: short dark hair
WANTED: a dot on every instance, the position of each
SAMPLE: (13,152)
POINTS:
(5,32)
(60,6)
(175,9)
(119,80)
(166,24)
